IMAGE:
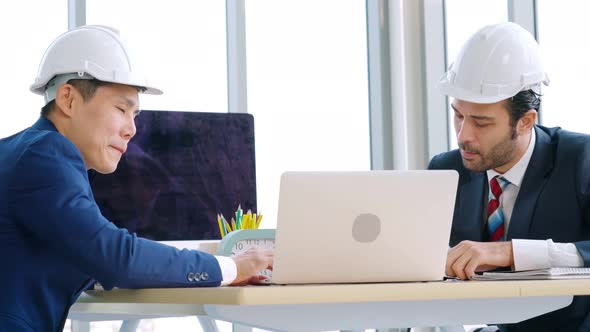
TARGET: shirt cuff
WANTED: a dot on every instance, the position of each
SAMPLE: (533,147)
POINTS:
(564,255)
(530,254)
(229,270)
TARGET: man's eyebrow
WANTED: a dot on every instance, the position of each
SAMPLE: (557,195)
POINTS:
(477,117)
(482,117)
(129,102)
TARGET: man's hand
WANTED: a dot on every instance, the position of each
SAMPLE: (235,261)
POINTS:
(250,263)
(469,256)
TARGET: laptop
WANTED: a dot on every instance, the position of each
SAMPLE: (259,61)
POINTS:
(360,227)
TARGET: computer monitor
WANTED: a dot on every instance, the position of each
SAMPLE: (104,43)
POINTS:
(179,171)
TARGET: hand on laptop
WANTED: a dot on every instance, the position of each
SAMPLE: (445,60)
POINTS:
(250,263)
(464,259)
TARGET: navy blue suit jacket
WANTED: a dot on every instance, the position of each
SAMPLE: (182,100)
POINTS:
(553,203)
(54,242)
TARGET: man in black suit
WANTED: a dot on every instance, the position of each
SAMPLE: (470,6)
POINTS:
(523,199)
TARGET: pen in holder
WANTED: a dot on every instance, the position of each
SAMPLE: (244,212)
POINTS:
(248,220)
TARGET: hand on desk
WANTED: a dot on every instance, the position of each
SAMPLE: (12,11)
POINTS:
(250,263)
(464,259)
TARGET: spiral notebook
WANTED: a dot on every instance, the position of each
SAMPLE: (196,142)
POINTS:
(541,274)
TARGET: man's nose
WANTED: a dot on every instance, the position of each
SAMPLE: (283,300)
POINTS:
(464,132)
(130,129)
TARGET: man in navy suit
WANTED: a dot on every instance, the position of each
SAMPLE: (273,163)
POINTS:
(54,242)
(523,199)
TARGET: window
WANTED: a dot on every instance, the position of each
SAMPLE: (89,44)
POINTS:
(180,46)
(463,19)
(562,34)
(307,90)
(27,35)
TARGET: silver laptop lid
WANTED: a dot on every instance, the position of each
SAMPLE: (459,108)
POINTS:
(367,226)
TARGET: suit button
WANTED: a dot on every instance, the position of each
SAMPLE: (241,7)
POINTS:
(204,276)
(190,277)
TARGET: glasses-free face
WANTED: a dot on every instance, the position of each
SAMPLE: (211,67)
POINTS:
(486,138)
(102,126)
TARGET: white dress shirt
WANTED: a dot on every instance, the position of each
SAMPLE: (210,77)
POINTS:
(532,254)
(229,270)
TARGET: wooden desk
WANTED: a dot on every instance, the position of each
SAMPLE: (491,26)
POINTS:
(345,306)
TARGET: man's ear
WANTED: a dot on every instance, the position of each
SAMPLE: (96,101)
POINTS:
(64,99)
(527,121)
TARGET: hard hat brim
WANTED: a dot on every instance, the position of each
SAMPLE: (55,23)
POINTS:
(448,89)
(39,88)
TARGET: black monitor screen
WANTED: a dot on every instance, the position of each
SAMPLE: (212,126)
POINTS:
(179,171)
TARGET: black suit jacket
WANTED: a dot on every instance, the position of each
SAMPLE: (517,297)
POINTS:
(553,203)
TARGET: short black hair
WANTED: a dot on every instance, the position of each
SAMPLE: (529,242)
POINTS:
(87,89)
(521,103)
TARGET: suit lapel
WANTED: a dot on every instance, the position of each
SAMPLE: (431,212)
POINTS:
(532,184)
(470,207)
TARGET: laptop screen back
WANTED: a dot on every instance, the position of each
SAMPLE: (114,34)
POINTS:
(179,171)
(364,226)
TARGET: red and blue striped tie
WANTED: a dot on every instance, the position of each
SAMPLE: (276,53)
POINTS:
(495,224)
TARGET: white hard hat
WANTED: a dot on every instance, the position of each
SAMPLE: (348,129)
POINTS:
(87,52)
(496,63)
